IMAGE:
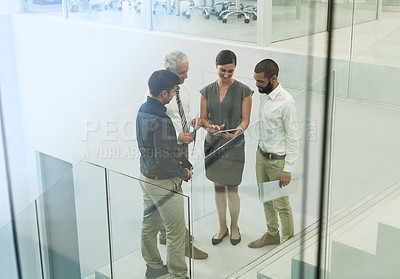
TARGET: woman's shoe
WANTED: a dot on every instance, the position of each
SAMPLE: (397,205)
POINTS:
(236,241)
(216,241)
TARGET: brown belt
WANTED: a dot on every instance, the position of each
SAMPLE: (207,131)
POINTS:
(271,156)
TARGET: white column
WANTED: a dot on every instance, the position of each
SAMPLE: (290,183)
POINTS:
(264,22)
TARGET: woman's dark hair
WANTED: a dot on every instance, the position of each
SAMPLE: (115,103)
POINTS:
(226,57)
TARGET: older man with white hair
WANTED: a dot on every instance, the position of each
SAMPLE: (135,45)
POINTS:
(178,109)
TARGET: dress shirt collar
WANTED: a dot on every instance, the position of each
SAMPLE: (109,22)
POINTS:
(275,92)
(156,103)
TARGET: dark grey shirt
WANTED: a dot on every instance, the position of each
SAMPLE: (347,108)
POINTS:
(229,111)
(157,142)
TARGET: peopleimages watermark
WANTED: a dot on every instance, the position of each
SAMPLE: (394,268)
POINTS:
(117,129)
(117,152)
(100,133)
(111,152)
(108,129)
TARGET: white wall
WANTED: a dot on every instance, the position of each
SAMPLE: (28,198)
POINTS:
(9,6)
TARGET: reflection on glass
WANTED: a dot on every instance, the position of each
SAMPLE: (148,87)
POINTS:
(125,12)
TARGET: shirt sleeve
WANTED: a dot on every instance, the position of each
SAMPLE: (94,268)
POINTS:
(292,136)
(246,91)
(188,110)
(203,92)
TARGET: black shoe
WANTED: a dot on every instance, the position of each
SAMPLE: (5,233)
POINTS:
(236,241)
(216,241)
(152,273)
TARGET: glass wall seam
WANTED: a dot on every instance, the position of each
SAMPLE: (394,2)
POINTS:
(109,221)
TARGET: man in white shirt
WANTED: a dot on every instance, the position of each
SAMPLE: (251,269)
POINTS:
(178,63)
(278,149)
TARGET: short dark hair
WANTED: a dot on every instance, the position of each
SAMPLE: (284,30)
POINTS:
(268,67)
(225,57)
(162,80)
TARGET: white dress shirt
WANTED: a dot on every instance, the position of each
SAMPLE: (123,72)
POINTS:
(173,111)
(278,126)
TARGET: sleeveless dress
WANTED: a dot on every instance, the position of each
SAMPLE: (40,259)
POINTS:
(224,165)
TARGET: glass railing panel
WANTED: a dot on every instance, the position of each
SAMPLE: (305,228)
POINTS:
(127,215)
(8,264)
(366,169)
(28,242)
(73,224)
(126,12)
(206,20)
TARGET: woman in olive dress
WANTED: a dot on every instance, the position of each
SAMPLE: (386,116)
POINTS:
(225,105)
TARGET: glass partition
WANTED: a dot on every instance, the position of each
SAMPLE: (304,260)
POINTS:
(49,6)
(8,264)
(73,223)
(222,20)
(64,233)
(126,12)
(365,171)
(88,219)
(364,10)
(391,5)
(229,20)
(296,18)
(28,242)
(230,261)
(126,212)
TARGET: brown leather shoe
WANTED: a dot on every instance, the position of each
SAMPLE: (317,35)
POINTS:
(163,241)
(197,254)
(265,240)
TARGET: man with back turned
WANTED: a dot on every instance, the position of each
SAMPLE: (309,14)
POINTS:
(161,176)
